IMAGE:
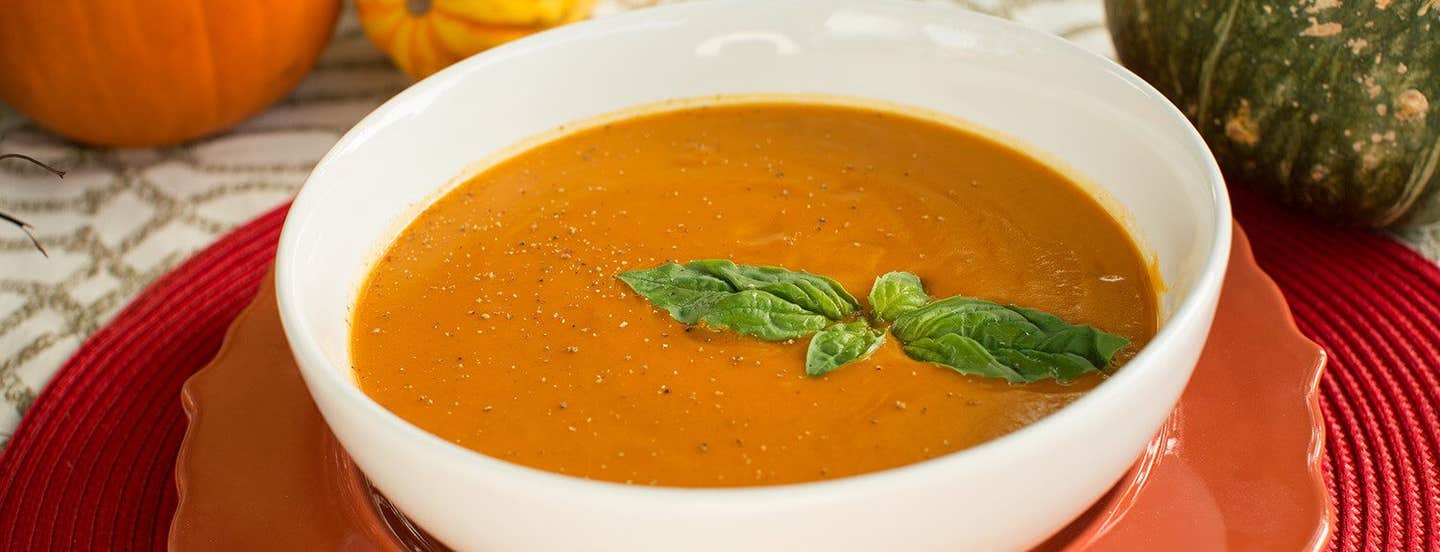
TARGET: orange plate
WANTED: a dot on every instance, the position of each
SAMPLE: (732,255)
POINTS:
(1237,466)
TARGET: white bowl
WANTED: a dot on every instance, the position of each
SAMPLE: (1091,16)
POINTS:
(1010,493)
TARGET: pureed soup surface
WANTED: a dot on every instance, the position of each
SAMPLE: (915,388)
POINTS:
(495,320)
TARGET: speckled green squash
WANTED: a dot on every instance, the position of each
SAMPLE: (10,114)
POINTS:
(1333,106)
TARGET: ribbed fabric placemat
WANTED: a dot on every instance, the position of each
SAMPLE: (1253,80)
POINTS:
(1374,305)
(91,466)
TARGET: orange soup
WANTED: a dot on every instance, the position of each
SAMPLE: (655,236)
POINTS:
(496,320)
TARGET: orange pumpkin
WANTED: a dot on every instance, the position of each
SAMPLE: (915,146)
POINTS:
(425,36)
(154,72)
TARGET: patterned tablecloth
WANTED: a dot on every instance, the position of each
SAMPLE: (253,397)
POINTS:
(121,218)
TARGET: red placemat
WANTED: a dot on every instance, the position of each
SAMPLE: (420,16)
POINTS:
(91,466)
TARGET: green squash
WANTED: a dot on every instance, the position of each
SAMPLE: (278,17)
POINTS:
(1332,106)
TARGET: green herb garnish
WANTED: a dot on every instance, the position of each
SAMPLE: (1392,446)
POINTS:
(811,292)
(896,293)
(841,344)
(969,335)
(975,336)
(770,303)
(763,315)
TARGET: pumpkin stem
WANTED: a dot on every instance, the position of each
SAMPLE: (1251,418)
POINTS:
(24,226)
(417,7)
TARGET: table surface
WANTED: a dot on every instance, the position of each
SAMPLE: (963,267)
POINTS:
(122,218)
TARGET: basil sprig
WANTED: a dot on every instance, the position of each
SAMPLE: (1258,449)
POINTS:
(968,335)
(896,293)
(841,344)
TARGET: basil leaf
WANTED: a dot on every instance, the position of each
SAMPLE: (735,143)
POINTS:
(760,314)
(1035,365)
(766,302)
(992,325)
(841,344)
(896,293)
(1096,346)
(961,353)
(686,293)
(769,303)
(812,292)
(974,336)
